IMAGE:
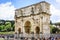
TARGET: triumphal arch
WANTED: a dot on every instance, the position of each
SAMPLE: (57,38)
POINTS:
(33,19)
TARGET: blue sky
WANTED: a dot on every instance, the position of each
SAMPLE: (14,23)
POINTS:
(22,3)
(7,8)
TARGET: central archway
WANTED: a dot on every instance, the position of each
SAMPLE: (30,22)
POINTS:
(27,27)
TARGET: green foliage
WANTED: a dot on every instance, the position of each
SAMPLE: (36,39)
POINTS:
(51,27)
(7,26)
(11,32)
(2,27)
(54,29)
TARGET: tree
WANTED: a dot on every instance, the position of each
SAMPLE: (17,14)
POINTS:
(51,22)
(12,25)
(2,27)
(8,26)
(53,29)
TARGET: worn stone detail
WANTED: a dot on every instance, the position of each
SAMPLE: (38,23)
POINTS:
(34,18)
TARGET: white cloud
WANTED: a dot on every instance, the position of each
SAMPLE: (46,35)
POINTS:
(55,17)
(57,1)
(7,11)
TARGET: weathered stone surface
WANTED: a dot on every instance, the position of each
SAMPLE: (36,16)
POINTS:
(36,15)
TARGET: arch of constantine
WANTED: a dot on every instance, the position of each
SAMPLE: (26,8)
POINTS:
(34,18)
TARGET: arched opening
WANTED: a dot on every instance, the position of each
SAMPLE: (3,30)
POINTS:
(27,26)
(37,30)
(19,30)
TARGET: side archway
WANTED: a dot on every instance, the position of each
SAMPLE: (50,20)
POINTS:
(37,29)
(19,30)
(27,26)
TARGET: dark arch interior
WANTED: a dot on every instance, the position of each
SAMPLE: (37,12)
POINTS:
(27,26)
(37,30)
(19,30)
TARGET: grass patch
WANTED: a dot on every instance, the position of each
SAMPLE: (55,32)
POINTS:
(1,39)
(12,32)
